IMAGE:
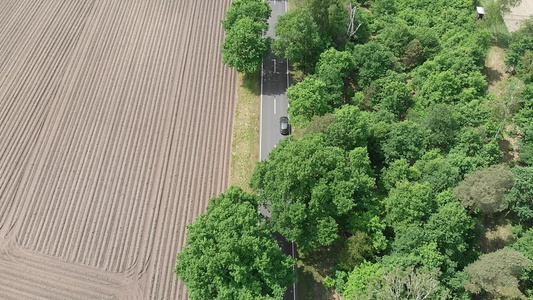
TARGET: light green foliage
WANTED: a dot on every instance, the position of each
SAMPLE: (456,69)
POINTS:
(406,140)
(356,249)
(485,188)
(299,39)
(436,170)
(442,125)
(497,273)
(519,55)
(335,68)
(359,279)
(244,46)
(520,197)
(524,244)
(231,254)
(350,128)
(311,186)
(409,203)
(397,171)
(307,99)
(372,61)
(258,10)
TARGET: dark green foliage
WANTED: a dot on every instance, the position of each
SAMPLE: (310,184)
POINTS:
(244,46)
(526,145)
(439,172)
(349,130)
(231,254)
(520,50)
(307,99)
(372,61)
(406,140)
(497,273)
(413,55)
(485,188)
(299,39)
(442,125)
(311,186)
(395,37)
(355,250)
(259,11)
(520,198)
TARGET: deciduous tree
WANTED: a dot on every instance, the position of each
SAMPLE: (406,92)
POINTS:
(299,39)
(311,187)
(307,99)
(244,46)
(258,10)
(231,253)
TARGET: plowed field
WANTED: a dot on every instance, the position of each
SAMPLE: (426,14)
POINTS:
(115,130)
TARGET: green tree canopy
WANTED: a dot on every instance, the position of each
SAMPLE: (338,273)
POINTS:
(520,197)
(438,171)
(350,128)
(244,46)
(399,170)
(409,203)
(497,273)
(485,188)
(311,186)
(231,254)
(299,39)
(442,123)
(406,140)
(372,61)
(335,69)
(307,99)
(452,230)
(258,10)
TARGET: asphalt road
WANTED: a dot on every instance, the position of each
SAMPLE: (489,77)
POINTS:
(274,85)
(274,104)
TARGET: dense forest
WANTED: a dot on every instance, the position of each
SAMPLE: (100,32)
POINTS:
(405,170)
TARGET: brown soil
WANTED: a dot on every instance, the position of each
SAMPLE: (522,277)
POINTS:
(494,69)
(115,130)
(518,14)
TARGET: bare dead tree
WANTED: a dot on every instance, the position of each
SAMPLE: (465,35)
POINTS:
(352,30)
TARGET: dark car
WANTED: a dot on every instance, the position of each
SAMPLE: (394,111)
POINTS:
(284,127)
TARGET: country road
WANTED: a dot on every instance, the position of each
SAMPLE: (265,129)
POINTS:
(274,104)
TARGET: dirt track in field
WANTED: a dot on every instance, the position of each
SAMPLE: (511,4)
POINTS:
(115,130)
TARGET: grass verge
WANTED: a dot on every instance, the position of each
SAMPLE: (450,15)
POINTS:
(245,142)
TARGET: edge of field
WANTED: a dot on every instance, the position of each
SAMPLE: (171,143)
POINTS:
(245,140)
